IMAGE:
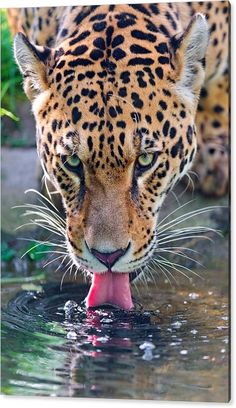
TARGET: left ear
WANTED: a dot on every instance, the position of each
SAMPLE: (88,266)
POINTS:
(189,58)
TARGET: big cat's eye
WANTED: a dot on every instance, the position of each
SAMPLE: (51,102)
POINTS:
(72,163)
(145,161)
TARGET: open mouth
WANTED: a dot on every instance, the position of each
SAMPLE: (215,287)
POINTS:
(110,288)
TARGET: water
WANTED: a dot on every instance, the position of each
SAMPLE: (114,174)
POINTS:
(174,347)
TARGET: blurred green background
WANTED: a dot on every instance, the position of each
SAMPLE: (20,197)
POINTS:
(18,153)
(11,93)
(13,99)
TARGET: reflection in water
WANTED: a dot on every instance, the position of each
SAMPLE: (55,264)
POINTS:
(178,351)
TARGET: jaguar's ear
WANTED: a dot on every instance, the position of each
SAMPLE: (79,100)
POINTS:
(33,61)
(189,51)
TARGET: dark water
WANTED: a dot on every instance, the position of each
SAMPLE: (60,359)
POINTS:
(175,348)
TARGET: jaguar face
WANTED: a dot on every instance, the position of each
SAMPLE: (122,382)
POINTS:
(114,137)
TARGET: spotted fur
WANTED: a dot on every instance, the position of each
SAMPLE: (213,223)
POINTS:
(110,83)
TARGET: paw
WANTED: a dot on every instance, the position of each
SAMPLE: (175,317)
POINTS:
(212,169)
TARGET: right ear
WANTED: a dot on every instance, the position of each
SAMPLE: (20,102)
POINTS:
(33,62)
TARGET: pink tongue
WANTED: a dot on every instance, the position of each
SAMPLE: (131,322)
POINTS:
(112,288)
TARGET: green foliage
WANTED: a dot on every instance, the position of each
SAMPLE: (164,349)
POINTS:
(11,88)
(7,253)
(9,114)
(36,251)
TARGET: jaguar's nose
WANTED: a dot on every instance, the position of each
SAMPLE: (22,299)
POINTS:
(109,258)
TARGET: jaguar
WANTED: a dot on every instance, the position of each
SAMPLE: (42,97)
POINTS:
(126,99)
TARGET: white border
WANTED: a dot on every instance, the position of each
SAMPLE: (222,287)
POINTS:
(70,402)
(55,3)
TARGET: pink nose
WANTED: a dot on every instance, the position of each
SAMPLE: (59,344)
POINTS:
(109,258)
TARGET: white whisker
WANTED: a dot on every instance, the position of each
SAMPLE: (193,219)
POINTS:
(187,237)
(184,217)
(173,212)
(178,265)
(52,260)
(66,271)
(175,196)
(181,254)
(61,263)
(164,270)
(49,243)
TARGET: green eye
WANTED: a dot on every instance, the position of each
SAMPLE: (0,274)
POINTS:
(145,159)
(72,163)
(145,162)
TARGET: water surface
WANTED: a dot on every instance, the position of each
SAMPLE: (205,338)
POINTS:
(174,348)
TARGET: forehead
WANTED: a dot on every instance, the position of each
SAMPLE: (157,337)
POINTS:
(102,65)
(98,100)
(113,87)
